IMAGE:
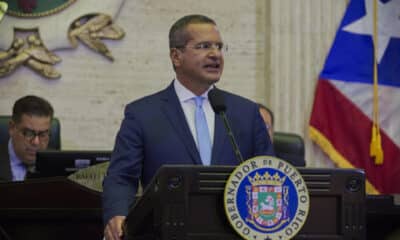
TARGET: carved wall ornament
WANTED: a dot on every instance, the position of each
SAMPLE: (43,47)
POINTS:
(32,30)
(31,53)
(91,29)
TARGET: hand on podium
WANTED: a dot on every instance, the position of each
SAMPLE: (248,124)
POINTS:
(113,230)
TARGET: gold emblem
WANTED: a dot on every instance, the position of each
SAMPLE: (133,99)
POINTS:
(3,9)
(91,29)
(31,53)
(31,40)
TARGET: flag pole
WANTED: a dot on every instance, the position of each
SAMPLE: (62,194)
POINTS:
(376,144)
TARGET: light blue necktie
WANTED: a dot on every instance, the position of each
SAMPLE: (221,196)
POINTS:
(203,135)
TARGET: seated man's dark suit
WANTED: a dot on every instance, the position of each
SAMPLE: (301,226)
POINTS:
(5,167)
(155,132)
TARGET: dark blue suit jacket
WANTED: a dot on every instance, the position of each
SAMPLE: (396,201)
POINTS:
(5,166)
(155,132)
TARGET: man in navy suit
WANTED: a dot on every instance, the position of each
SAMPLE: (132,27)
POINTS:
(29,132)
(160,128)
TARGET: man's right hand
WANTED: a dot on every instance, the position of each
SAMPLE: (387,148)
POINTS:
(113,230)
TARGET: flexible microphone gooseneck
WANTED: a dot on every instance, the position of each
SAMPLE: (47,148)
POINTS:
(218,105)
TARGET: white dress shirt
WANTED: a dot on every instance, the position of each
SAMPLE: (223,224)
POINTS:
(18,168)
(188,104)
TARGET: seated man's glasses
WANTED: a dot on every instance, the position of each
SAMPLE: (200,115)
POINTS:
(30,134)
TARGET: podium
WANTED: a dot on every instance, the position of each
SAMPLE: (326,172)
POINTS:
(186,202)
(383,214)
(49,208)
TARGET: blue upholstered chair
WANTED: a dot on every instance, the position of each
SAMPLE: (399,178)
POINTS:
(289,147)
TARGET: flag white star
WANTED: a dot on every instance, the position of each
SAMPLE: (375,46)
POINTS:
(388,24)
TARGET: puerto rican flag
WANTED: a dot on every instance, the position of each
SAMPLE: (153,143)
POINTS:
(342,114)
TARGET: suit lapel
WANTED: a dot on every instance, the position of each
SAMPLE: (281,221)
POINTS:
(171,107)
(5,168)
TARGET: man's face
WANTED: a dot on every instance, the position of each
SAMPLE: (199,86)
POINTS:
(200,62)
(268,122)
(29,136)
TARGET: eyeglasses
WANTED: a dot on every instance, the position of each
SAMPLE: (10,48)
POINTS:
(30,134)
(208,46)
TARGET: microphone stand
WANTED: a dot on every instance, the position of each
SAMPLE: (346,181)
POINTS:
(231,137)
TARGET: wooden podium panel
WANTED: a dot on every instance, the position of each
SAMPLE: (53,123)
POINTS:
(49,208)
(383,214)
(186,202)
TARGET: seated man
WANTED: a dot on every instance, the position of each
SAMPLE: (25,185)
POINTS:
(287,146)
(268,117)
(29,131)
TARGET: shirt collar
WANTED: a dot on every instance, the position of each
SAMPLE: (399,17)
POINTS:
(14,159)
(185,94)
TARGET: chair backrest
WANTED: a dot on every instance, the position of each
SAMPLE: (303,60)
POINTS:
(55,138)
(289,147)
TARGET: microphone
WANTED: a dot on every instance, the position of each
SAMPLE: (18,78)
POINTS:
(218,105)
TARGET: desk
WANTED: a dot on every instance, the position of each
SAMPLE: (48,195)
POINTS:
(49,208)
(57,208)
(383,217)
